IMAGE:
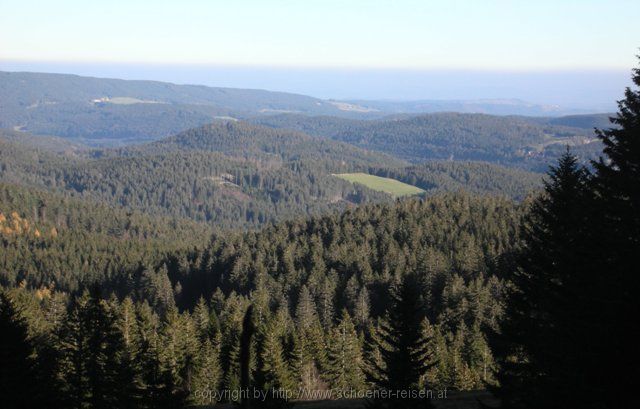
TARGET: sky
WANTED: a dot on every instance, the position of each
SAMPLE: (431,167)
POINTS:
(393,49)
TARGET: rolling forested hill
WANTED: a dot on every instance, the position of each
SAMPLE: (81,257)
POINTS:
(600,121)
(473,177)
(249,141)
(250,189)
(53,239)
(313,243)
(513,141)
(111,112)
(485,106)
(42,142)
(235,174)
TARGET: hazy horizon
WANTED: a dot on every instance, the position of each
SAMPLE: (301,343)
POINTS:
(570,54)
(589,90)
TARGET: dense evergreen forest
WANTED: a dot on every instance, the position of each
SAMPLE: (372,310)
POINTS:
(112,112)
(318,289)
(228,258)
(216,178)
(513,141)
(54,241)
(473,177)
(236,175)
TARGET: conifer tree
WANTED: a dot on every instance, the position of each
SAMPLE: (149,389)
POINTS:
(104,347)
(351,292)
(17,365)
(402,349)
(91,347)
(179,345)
(232,360)
(158,289)
(303,365)
(462,377)
(574,295)
(309,326)
(246,338)
(440,375)
(537,345)
(147,354)
(613,283)
(208,374)
(361,309)
(326,300)
(72,342)
(345,356)
(272,368)
(129,374)
(202,320)
(306,314)
(373,360)
(310,333)
(427,353)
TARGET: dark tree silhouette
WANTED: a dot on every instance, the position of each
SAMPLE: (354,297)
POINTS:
(536,341)
(17,366)
(402,346)
(575,294)
(245,353)
(616,284)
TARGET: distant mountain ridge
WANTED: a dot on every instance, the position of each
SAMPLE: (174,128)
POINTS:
(496,106)
(114,112)
(101,111)
(235,174)
(30,88)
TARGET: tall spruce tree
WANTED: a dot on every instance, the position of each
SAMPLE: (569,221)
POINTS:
(345,362)
(104,347)
(179,347)
(536,343)
(575,292)
(17,364)
(128,378)
(372,351)
(405,359)
(147,356)
(91,351)
(246,338)
(272,371)
(202,320)
(428,353)
(614,284)
(208,374)
(310,350)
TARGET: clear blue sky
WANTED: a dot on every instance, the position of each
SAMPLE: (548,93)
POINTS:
(485,34)
(257,36)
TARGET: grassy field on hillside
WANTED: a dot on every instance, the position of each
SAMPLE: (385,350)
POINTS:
(391,186)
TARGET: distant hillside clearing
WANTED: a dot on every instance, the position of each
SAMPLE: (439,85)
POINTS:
(394,187)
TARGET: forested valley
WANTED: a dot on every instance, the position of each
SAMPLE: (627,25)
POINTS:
(237,175)
(229,257)
(507,140)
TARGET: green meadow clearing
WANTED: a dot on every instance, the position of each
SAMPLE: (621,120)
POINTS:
(391,186)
